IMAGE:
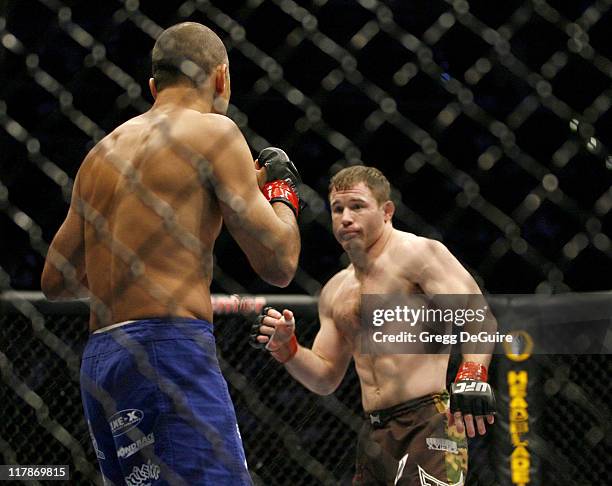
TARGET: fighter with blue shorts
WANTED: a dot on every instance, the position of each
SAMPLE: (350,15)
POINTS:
(147,206)
(164,378)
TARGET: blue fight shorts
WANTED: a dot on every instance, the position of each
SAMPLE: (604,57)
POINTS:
(158,408)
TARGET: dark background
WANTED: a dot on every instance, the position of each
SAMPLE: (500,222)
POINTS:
(466,129)
(491,119)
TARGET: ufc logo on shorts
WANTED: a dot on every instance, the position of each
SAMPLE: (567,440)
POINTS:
(478,386)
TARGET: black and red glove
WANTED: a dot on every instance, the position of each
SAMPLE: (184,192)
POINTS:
(470,394)
(276,334)
(282,179)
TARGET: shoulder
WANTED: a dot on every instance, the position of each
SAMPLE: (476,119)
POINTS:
(337,280)
(208,132)
(87,172)
(421,256)
(432,265)
(214,121)
(215,125)
(415,247)
(330,289)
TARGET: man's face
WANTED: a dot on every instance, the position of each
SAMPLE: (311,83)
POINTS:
(357,218)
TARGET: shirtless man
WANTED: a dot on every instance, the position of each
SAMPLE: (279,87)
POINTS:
(147,206)
(410,438)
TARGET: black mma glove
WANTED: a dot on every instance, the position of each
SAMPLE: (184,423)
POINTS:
(470,394)
(282,179)
(281,348)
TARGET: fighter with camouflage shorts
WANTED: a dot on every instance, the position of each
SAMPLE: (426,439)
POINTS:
(411,437)
(411,440)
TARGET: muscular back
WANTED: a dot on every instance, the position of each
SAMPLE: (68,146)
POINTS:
(151,219)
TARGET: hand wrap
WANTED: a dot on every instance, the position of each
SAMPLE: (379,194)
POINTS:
(280,351)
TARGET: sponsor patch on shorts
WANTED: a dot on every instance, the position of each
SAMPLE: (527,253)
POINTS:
(429,480)
(99,453)
(436,444)
(134,447)
(125,420)
(143,474)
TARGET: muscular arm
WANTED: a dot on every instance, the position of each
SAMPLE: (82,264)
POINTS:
(64,274)
(438,272)
(268,234)
(322,368)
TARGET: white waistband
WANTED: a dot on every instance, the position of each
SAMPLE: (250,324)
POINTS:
(111,327)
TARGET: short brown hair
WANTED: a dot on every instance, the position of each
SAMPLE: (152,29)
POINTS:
(186,51)
(373,178)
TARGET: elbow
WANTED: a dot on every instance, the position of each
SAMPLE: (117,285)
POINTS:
(54,286)
(325,389)
(287,257)
(283,272)
(47,281)
(287,272)
(279,280)
(326,386)
(50,286)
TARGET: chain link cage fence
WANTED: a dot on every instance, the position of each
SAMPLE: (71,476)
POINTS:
(292,436)
(491,121)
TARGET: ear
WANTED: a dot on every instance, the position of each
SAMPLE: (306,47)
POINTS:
(153,88)
(389,210)
(222,82)
(221,94)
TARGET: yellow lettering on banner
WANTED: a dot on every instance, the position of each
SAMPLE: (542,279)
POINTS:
(517,391)
(518,402)
(518,378)
(520,469)
(520,452)
(516,441)
(521,464)
(518,414)
(518,418)
(519,428)
(520,476)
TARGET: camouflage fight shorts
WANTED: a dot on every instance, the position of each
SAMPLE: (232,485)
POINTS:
(411,444)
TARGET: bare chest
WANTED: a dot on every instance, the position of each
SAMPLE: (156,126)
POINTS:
(381,279)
